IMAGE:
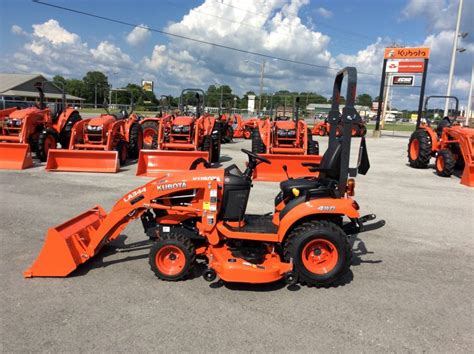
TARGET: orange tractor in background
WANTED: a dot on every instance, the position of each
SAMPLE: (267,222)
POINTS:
(451,144)
(182,139)
(34,129)
(203,214)
(100,144)
(322,128)
(286,142)
(243,128)
(150,125)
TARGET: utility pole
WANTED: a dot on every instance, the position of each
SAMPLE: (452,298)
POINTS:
(262,72)
(385,101)
(95,96)
(453,59)
(469,100)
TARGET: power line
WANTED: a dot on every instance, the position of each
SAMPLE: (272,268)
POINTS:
(109,19)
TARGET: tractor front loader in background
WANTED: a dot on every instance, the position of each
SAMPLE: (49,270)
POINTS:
(100,144)
(151,125)
(182,139)
(202,214)
(286,141)
(34,129)
(451,144)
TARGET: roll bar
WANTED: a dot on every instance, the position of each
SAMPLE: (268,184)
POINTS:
(348,116)
(199,93)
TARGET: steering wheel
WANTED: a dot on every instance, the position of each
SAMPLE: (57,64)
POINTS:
(256,157)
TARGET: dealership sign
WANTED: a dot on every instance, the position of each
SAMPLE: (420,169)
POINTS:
(407,53)
(397,66)
(403,80)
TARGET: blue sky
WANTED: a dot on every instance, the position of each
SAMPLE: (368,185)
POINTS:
(37,38)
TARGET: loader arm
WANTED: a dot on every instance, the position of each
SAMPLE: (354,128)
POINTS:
(79,239)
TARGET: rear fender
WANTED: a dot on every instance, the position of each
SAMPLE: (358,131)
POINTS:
(316,209)
(433,137)
(63,118)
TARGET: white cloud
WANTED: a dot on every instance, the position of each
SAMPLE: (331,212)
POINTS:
(53,32)
(17,30)
(324,12)
(269,26)
(53,50)
(138,35)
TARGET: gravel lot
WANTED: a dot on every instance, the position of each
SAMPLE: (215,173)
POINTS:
(411,286)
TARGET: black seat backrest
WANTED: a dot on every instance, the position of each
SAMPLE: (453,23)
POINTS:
(331,161)
(445,122)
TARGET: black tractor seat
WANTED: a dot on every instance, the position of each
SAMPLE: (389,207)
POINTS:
(321,186)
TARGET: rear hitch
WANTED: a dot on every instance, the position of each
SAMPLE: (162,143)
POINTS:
(359,225)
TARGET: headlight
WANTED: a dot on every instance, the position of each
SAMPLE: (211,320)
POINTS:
(13,122)
(94,128)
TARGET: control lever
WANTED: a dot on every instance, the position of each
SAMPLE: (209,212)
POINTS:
(285,168)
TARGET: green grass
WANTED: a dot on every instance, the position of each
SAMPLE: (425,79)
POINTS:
(395,127)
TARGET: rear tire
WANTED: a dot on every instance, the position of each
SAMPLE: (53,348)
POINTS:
(258,147)
(445,163)
(228,134)
(136,140)
(320,252)
(216,150)
(150,134)
(65,134)
(172,257)
(122,150)
(419,149)
(48,139)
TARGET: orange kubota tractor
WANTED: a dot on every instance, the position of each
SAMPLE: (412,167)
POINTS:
(286,142)
(34,129)
(451,144)
(322,128)
(243,128)
(182,139)
(150,125)
(100,144)
(202,214)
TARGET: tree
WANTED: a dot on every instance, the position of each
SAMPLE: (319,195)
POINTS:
(95,84)
(59,81)
(75,87)
(364,100)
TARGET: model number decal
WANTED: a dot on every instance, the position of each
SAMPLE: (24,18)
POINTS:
(134,194)
(207,178)
(168,186)
(326,208)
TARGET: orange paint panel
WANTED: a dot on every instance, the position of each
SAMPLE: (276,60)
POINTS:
(15,156)
(152,163)
(274,172)
(83,161)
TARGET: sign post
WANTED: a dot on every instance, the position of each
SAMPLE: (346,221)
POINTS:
(400,60)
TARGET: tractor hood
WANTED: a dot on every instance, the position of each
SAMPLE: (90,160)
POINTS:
(104,121)
(183,120)
(287,125)
(178,180)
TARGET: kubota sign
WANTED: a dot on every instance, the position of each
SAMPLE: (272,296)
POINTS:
(407,53)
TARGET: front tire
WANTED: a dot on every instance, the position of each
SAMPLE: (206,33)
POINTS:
(122,150)
(150,134)
(48,139)
(172,257)
(320,252)
(419,149)
(136,140)
(445,163)
(65,135)
(258,147)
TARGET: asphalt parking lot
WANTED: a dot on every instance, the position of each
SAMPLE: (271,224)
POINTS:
(411,286)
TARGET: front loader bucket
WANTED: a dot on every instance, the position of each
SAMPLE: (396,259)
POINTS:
(274,172)
(14,156)
(467,177)
(66,245)
(83,161)
(152,163)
